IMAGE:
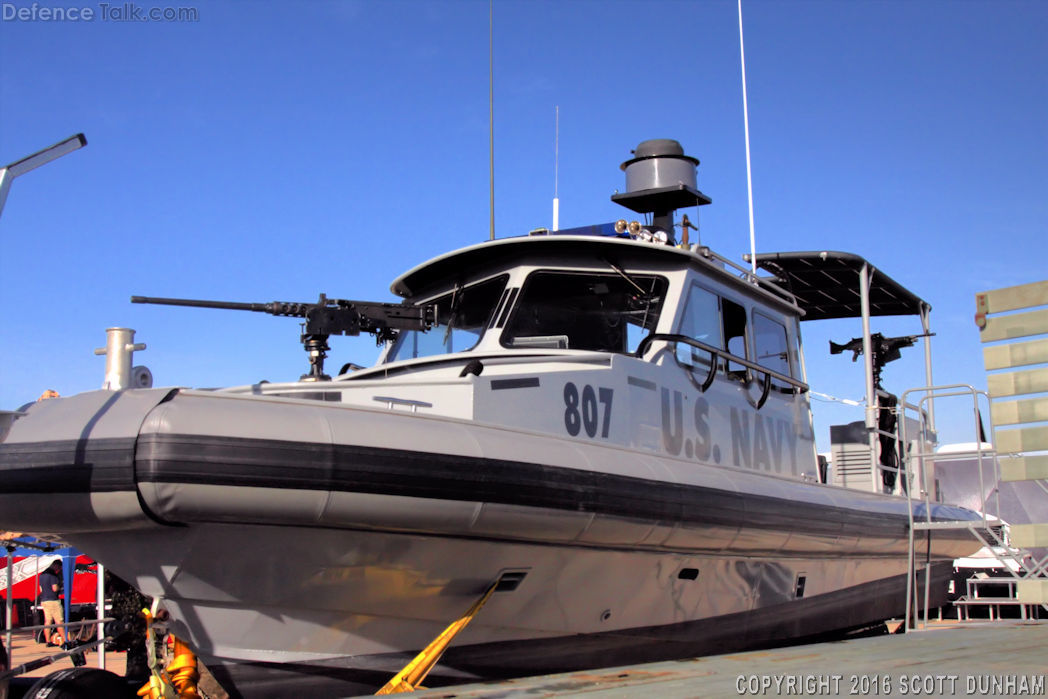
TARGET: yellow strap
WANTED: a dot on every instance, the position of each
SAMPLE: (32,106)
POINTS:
(408,679)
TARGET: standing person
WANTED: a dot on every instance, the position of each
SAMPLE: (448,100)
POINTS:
(50,581)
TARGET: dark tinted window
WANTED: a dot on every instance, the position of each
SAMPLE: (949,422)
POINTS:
(574,310)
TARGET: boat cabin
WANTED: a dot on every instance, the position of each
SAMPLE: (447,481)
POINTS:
(616,334)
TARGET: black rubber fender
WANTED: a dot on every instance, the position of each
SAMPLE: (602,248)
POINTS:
(81,683)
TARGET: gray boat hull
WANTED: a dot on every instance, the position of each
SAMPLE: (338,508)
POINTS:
(290,538)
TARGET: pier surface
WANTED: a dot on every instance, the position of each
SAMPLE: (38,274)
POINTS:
(26,650)
(976,659)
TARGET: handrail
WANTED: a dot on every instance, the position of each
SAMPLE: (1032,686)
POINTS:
(67,625)
(14,671)
(927,395)
(769,284)
(769,374)
(711,374)
(49,659)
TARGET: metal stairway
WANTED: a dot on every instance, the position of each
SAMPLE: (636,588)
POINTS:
(1016,453)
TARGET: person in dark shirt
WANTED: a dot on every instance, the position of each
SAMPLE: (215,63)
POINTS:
(50,581)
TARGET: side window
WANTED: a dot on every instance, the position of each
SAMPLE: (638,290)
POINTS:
(769,339)
(734,332)
(702,322)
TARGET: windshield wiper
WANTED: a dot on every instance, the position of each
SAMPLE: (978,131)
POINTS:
(456,298)
(646,296)
(619,271)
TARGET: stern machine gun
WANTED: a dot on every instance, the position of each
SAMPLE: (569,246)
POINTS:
(882,350)
(327,317)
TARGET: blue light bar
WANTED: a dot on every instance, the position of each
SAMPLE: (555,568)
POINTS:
(601,229)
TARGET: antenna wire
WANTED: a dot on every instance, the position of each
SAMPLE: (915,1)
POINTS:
(491,112)
(556,167)
(749,171)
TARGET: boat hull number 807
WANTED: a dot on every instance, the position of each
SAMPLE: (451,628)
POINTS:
(589,410)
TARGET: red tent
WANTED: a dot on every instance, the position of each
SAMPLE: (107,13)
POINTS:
(26,571)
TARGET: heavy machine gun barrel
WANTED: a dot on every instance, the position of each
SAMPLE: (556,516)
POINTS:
(327,317)
(227,305)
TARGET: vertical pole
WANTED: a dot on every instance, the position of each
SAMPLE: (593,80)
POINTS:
(926,326)
(911,563)
(100,613)
(9,600)
(871,390)
(927,578)
(36,588)
(67,578)
(5,185)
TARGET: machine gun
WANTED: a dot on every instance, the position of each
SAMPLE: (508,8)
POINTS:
(884,350)
(327,317)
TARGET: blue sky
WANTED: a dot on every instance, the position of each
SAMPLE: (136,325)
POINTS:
(274,151)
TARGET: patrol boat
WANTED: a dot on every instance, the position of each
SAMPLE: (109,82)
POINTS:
(610,427)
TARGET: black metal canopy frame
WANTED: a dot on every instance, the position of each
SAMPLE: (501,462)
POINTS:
(826,285)
(844,285)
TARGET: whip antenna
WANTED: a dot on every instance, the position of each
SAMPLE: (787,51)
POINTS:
(746,125)
(491,111)
(556,166)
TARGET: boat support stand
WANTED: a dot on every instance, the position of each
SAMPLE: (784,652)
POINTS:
(408,679)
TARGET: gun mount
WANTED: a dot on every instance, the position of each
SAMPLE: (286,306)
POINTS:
(327,317)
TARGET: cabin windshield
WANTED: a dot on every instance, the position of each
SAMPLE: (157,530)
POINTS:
(588,311)
(462,316)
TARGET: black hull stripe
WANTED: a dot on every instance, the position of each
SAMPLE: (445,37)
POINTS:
(112,465)
(68,466)
(227,461)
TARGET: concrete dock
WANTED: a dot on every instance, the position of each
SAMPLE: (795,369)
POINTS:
(26,650)
(975,659)
(1003,658)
